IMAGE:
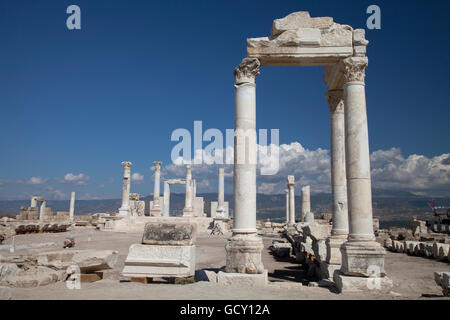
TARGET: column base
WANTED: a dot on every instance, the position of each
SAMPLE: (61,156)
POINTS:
(334,244)
(124,212)
(360,284)
(363,259)
(226,278)
(188,212)
(244,254)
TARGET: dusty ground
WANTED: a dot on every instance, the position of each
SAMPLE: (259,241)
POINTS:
(412,276)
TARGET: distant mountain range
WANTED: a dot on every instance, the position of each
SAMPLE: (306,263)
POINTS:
(393,207)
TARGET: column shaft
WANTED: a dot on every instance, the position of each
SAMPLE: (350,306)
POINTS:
(72,205)
(338,172)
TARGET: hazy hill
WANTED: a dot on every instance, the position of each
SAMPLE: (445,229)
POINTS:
(393,207)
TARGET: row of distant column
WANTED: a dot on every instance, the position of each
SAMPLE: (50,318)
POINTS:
(157,209)
(306,214)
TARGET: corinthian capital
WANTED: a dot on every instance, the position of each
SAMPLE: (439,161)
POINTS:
(354,68)
(157,164)
(290,181)
(335,100)
(126,164)
(247,70)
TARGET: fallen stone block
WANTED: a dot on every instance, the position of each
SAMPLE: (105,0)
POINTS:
(443,252)
(86,260)
(346,284)
(33,277)
(159,261)
(281,249)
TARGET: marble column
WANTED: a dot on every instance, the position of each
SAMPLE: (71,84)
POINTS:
(287,205)
(221,192)
(291,185)
(72,205)
(188,210)
(166,199)
(339,231)
(124,210)
(244,247)
(156,209)
(33,202)
(361,254)
(306,202)
(42,210)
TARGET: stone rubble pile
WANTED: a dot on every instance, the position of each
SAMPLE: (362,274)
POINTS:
(432,250)
(33,270)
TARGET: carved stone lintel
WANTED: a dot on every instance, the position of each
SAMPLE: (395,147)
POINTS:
(247,70)
(335,100)
(126,164)
(354,68)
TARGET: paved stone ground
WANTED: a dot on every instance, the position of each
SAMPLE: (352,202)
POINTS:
(412,276)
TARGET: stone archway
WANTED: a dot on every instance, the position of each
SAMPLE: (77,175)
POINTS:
(299,40)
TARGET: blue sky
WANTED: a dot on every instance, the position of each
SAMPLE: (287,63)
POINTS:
(74,104)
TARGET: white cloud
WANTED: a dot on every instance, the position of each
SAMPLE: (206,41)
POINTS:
(390,170)
(79,179)
(36,180)
(137,177)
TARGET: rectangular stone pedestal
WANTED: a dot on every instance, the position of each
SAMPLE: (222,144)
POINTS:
(159,261)
(360,284)
(244,279)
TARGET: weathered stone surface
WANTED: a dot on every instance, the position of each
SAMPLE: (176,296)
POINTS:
(363,259)
(243,279)
(8,269)
(443,280)
(281,249)
(244,254)
(176,234)
(86,260)
(159,261)
(5,293)
(359,284)
(31,277)
(299,19)
(443,251)
(327,270)
(309,217)
(317,231)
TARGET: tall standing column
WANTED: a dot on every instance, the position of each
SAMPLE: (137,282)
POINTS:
(33,202)
(156,210)
(125,208)
(361,254)
(306,202)
(166,199)
(287,205)
(188,210)
(291,184)
(221,193)
(72,205)
(244,247)
(339,231)
(42,211)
